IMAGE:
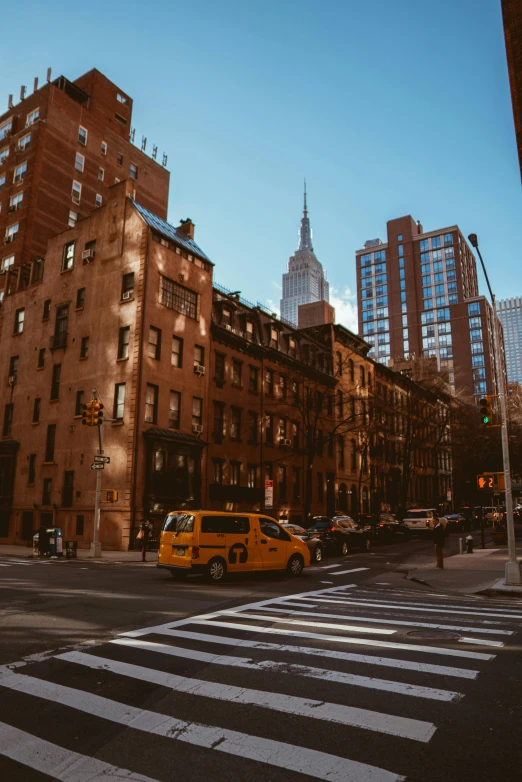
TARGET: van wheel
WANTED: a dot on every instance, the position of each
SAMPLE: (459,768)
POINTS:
(295,565)
(318,554)
(367,544)
(216,570)
(344,548)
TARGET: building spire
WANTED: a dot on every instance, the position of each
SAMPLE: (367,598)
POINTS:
(305,233)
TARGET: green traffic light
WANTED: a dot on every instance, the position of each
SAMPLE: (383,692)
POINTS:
(485,420)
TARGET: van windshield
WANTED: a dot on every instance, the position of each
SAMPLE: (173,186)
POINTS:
(419,514)
(179,522)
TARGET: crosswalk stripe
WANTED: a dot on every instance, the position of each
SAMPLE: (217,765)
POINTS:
(329,625)
(320,765)
(298,670)
(450,608)
(417,730)
(2,565)
(398,621)
(57,762)
(442,650)
(413,608)
(480,641)
(388,662)
(353,570)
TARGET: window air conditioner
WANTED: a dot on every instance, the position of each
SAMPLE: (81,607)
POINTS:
(88,255)
(127,295)
(11,208)
(75,199)
(8,239)
(286,442)
(228,327)
(199,369)
(12,380)
(197,428)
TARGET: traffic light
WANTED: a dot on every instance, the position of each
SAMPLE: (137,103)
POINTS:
(88,413)
(111,495)
(486,413)
(97,419)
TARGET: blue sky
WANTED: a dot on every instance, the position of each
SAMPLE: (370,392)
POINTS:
(387,108)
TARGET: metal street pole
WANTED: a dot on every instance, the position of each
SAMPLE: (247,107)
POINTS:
(96,545)
(513,576)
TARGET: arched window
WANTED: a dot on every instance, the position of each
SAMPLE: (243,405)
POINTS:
(340,450)
(340,405)
(351,370)
(353,455)
(339,364)
(365,500)
(363,376)
(370,380)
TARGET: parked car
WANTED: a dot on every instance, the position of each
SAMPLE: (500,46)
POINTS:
(340,534)
(492,514)
(384,528)
(455,521)
(315,546)
(421,520)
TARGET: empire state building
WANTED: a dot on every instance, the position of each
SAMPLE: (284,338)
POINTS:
(304,282)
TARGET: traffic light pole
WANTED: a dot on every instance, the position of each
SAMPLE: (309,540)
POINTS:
(513,576)
(96,545)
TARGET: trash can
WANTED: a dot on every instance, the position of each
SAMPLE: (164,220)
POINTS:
(71,549)
(55,542)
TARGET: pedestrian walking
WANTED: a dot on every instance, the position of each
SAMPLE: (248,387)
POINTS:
(439,536)
(145,536)
(43,541)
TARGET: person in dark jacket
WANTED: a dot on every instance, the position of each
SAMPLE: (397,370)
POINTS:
(145,535)
(439,536)
(43,541)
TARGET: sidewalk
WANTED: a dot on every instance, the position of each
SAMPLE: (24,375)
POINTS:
(25,552)
(468,573)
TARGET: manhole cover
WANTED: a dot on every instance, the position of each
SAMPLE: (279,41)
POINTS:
(435,635)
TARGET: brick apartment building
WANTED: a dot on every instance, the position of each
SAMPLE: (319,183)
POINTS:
(512,18)
(418,296)
(61,149)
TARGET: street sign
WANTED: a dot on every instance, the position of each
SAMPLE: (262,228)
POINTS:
(448,495)
(104,459)
(269,494)
(97,466)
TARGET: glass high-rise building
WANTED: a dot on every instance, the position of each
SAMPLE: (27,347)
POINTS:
(510,315)
(304,282)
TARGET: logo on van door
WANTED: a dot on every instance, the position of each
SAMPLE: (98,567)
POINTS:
(238,548)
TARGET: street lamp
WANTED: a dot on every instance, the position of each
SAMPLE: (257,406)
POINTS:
(513,576)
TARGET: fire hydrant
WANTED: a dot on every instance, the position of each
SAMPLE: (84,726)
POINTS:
(469,544)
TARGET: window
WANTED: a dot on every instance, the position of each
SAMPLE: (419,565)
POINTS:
(282,484)
(218,471)
(104,148)
(13,368)
(82,136)
(353,455)
(269,429)
(253,382)
(32,117)
(151,403)
(11,232)
(61,326)
(296,484)
(197,411)
(8,262)
(78,407)
(120,119)
(178,298)
(47,491)
(220,368)
(2,181)
(119,159)
(41,358)
(98,200)
(154,349)
(252,476)
(79,525)
(8,420)
(174,409)
(474,308)
(49,442)
(79,162)
(362,376)
(76,192)
(291,347)
(270,382)
(282,387)
(31,476)
(6,129)
(252,428)
(68,488)
(68,256)
(176,358)
(320,487)
(199,356)
(237,370)
(101,174)
(19,320)
(351,370)
(235,424)
(55,382)
(19,173)
(219,421)
(84,347)
(121,98)
(235,473)
(133,171)
(123,342)
(80,298)
(119,401)
(73,218)
(36,410)
(127,288)
(340,451)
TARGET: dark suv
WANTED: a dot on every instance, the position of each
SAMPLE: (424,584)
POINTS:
(340,534)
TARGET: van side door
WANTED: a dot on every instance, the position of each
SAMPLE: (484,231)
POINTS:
(274,544)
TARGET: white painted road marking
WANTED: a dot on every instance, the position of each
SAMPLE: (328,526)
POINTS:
(353,570)
(57,762)
(416,730)
(289,668)
(308,623)
(413,608)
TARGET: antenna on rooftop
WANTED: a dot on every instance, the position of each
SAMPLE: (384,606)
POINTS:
(10,103)
(164,161)
(22,92)
(132,134)
(154,152)
(48,74)
(35,87)
(143,143)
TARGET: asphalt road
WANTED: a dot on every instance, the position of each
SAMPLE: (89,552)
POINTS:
(331,676)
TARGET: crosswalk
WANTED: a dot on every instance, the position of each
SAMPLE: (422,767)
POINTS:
(346,684)
(12,562)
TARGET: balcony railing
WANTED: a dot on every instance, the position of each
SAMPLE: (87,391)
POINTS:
(58,340)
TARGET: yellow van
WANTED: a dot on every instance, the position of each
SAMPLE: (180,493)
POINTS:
(214,543)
